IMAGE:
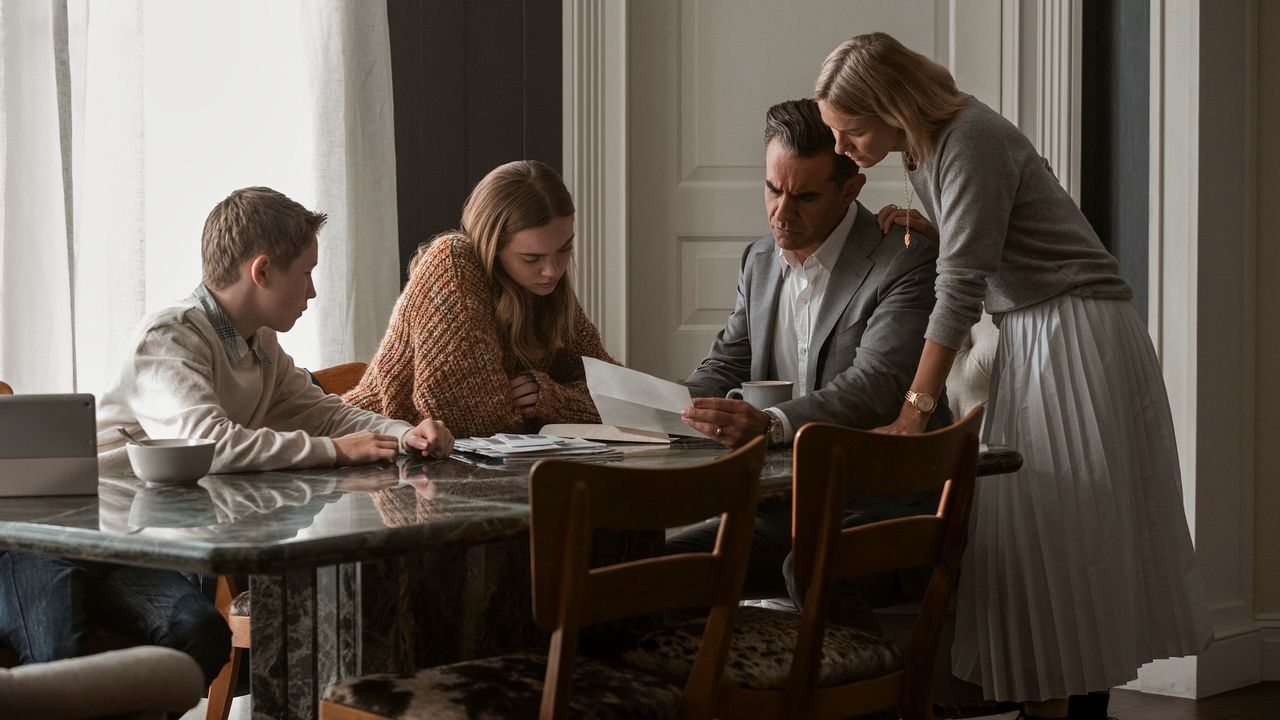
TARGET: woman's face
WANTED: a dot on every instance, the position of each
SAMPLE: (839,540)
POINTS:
(865,139)
(537,258)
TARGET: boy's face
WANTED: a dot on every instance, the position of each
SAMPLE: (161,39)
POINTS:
(288,290)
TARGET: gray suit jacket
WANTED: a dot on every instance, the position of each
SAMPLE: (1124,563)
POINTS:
(866,340)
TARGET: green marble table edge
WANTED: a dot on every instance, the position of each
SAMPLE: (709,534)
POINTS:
(505,519)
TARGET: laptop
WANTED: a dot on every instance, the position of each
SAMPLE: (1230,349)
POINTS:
(48,445)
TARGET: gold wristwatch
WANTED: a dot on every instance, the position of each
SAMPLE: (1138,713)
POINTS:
(922,402)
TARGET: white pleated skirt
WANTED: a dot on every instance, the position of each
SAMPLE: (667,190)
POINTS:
(1080,567)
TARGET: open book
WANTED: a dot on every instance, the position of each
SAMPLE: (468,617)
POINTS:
(606,433)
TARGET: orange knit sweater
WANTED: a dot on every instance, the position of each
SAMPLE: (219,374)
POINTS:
(443,357)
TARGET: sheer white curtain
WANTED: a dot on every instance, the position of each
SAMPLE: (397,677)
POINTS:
(173,105)
(35,266)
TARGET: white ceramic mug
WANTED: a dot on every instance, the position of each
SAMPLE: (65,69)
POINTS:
(761,394)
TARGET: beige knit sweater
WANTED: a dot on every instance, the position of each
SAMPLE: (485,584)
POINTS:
(179,382)
(443,357)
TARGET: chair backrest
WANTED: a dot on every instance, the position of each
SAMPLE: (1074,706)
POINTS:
(832,462)
(569,501)
(5,389)
(339,378)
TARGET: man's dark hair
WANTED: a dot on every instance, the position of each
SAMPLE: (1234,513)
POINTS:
(798,125)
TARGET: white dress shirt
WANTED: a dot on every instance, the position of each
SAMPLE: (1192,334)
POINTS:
(803,286)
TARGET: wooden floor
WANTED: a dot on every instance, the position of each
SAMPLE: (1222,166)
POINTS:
(1257,702)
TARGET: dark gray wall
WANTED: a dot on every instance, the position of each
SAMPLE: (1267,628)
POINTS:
(1115,152)
(476,84)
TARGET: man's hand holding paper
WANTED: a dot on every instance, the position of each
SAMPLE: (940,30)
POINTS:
(632,399)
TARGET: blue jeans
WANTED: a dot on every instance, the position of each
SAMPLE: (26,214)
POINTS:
(48,606)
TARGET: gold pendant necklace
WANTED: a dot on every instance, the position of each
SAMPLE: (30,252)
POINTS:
(906,184)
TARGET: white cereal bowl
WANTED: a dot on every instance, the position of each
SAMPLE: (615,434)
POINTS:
(171,462)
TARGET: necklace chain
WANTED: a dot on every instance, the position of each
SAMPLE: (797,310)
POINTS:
(906,186)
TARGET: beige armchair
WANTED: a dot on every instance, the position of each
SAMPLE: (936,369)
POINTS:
(139,683)
(970,377)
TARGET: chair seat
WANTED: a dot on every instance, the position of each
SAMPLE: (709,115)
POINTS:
(761,649)
(508,686)
(240,605)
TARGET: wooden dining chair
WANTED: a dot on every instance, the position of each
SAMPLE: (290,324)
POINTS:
(569,502)
(233,605)
(783,665)
(338,379)
(233,602)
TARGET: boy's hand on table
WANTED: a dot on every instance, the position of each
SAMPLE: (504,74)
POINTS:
(365,447)
(431,438)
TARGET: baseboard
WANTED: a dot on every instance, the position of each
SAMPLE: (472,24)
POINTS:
(1233,660)
(1269,624)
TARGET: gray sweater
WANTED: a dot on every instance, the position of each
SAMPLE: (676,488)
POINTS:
(1011,236)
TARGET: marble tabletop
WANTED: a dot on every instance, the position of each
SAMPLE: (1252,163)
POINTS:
(275,521)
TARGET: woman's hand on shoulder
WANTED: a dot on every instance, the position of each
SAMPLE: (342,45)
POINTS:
(891,215)
(524,391)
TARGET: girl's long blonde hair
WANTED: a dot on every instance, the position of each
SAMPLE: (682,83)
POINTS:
(513,197)
(874,74)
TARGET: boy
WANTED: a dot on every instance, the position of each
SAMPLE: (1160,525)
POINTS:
(209,367)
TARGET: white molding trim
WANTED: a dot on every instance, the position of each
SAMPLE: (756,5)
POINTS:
(1198,179)
(1011,61)
(1155,176)
(1041,84)
(1058,99)
(595,163)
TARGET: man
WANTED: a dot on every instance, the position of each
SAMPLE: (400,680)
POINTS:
(826,300)
(832,303)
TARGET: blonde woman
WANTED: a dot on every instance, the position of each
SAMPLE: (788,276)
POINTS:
(1080,567)
(488,335)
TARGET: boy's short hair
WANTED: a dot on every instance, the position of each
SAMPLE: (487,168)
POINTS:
(254,221)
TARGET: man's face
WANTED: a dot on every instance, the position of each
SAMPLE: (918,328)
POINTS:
(289,289)
(803,204)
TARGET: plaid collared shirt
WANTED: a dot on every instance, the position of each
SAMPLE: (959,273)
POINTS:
(235,345)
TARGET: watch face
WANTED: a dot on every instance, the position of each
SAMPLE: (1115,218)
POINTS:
(922,402)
